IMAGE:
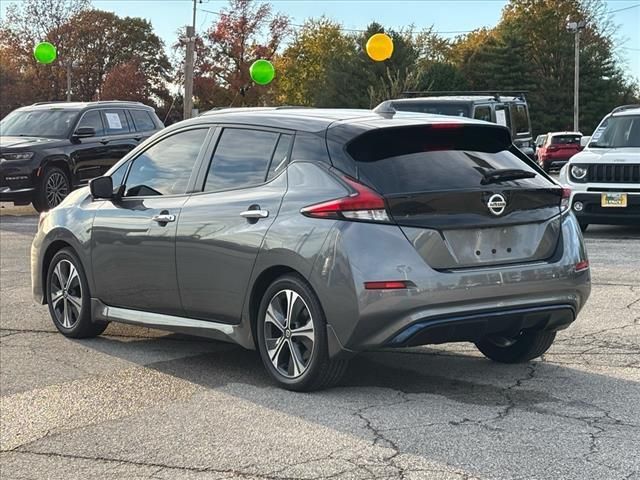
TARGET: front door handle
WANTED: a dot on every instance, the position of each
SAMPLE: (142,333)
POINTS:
(104,141)
(164,218)
(255,214)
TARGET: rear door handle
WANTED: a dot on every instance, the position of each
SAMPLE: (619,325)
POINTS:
(255,214)
(164,218)
(104,141)
(138,138)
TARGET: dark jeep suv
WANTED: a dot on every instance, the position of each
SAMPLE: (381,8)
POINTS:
(47,149)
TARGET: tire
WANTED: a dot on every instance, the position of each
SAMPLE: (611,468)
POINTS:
(53,187)
(583,226)
(529,345)
(544,166)
(313,369)
(70,301)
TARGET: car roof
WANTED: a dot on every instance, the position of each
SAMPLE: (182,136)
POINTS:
(626,111)
(82,105)
(319,119)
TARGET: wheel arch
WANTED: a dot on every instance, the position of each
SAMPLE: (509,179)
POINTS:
(60,161)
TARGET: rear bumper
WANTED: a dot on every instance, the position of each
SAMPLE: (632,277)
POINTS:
(472,327)
(446,306)
(554,162)
(592,211)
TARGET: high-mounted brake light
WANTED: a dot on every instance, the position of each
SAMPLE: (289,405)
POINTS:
(566,199)
(364,204)
(446,126)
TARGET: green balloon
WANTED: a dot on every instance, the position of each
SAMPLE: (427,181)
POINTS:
(45,52)
(262,72)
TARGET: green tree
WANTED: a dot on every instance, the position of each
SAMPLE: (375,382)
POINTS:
(303,65)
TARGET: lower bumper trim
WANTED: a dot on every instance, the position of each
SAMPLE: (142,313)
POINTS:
(473,327)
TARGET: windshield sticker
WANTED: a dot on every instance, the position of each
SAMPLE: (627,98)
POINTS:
(501,118)
(113,119)
(597,133)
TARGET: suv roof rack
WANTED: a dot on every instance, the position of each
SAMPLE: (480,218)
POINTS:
(622,108)
(494,93)
(98,101)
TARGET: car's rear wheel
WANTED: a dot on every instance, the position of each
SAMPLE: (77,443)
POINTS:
(526,346)
(69,298)
(53,187)
(292,337)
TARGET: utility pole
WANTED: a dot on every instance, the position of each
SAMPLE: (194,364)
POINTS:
(69,65)
(576,28)
(188,66)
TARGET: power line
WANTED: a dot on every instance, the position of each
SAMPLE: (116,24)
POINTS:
(625,8)
(357,30)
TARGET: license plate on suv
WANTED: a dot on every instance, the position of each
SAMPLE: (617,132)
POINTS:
(614,200)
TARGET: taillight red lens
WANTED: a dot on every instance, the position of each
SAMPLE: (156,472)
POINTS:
(389,285)
(582,266)
(364,204)
(566,199)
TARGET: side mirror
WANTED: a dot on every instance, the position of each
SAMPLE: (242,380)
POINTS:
(102,187)
(84,132)
(584,141)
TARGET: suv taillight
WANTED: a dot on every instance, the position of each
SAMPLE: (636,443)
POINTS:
(566,199)
(363,204)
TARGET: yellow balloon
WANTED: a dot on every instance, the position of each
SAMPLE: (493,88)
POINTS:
(380,47)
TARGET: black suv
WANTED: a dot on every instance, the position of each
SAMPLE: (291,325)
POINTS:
(48,149)
(507,108)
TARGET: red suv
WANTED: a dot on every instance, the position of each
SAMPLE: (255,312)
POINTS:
(557,149)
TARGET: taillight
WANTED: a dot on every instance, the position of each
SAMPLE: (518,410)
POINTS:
(388,285)
(364,204)
(566,199)
(582,266)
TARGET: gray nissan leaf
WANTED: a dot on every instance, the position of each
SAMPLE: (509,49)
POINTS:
(312,235)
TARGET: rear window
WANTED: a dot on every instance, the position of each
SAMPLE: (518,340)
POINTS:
(453,109)
(520,118)
(429,158)
(142,120)
(565,140)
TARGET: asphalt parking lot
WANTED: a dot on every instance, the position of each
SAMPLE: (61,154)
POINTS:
(137,403)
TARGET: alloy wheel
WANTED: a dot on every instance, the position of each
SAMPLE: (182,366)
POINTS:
(66,293)
(56,188)
(289,333)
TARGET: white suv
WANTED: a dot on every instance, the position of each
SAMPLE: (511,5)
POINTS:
(605,177)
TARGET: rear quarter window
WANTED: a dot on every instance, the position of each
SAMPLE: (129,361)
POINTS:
(142,120)
(428,159)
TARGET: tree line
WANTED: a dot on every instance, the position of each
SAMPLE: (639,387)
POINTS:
(317,64)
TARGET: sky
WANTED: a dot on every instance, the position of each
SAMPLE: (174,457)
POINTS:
(453,16)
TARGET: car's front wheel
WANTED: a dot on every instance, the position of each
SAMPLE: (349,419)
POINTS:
(54,186)
(526,346)
(292,337)
(69,298)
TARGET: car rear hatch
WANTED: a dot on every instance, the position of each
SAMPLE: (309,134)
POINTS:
(564,146)
(463,196)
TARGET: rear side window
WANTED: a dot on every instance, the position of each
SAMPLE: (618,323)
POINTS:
(429,159)
(115,122)
(92,119)
(565,140)
(520,118)
(483,113)
(142,120)
(280,156)
(241,159)
(165,168)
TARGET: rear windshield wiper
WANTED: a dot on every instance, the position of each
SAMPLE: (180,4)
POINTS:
(504,174)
